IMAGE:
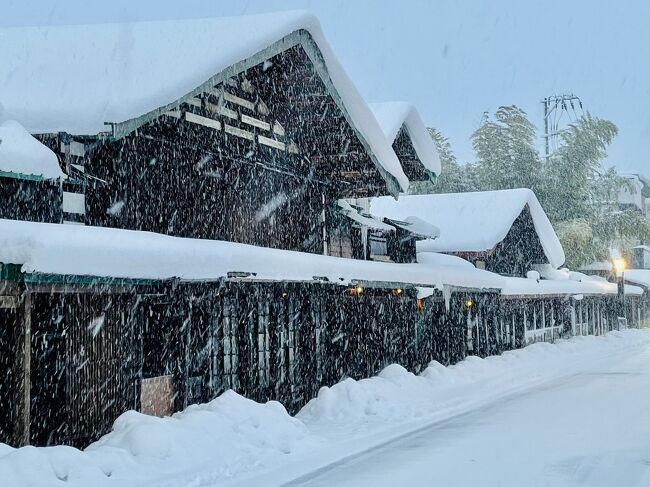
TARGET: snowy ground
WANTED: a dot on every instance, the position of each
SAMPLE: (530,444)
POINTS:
(590,429)
(573,413)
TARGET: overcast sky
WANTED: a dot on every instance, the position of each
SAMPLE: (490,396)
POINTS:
(454,59)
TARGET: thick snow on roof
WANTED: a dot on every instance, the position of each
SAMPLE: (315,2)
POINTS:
(76,78)
(49,248)
(367,221)
(417,226)
(520,286)
(638,276)
(21,153)
(393,115)
(472,222)
(597,266)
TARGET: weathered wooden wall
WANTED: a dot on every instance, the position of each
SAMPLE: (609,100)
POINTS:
(93,346)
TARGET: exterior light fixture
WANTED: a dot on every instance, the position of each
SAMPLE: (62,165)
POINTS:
(358,290)
(398,292)
(285,294)
(619,265)
(469,303)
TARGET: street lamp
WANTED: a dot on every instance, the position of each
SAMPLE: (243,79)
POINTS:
(619,267)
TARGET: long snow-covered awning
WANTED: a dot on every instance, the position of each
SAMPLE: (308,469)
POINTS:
(393,116)
(520,286)
(73,250)
(23,155)
(638,276)
(473,222)
(77,78)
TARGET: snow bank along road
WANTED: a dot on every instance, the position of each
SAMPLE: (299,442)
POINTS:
(590,429)
(572,413)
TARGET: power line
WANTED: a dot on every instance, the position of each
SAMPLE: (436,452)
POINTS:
(555,107)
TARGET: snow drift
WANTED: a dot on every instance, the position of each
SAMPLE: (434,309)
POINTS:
(231,436)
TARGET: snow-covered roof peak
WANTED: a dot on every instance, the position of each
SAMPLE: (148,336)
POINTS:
(20,153)
(76,78)
(392,116)
(473,222)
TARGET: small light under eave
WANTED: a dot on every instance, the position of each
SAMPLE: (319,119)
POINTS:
(469,303)
(619,265)
(358,289)
(285,294)
(398,291)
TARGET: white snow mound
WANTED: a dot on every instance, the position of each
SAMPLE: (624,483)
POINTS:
(20,153)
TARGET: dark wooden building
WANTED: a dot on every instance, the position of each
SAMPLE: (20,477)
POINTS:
(506,232)
(410,140)
(226,133)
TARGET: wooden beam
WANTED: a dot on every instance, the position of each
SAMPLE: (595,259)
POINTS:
(271,142)
(205,121)
(239,132)
(239,101)
(255,122)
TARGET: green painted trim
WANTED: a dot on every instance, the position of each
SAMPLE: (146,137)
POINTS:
(85,280)
(12,272)
(17,175)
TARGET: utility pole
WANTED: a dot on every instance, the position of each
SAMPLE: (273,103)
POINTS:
(555,106)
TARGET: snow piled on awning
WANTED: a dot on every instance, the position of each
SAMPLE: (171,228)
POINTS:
(72,250)
(472,222)
(392,116)
(638,276)
(602,265)
(22,154)
(520,286)
(74,78)
(366,221)
(48,248)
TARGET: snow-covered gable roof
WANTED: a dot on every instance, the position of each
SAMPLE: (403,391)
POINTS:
(392,116)
(472,222)
(77,78)
(22,154)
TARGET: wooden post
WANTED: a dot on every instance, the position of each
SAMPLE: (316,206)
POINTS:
(23,361)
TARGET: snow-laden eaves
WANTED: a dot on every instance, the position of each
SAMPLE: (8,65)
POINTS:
(472,222)
(520,286)
(363,220)
(417,227)
(597,266)
(71,250)
(392,116)
(638,276)
(46,248)
(22,154)
(77,78)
